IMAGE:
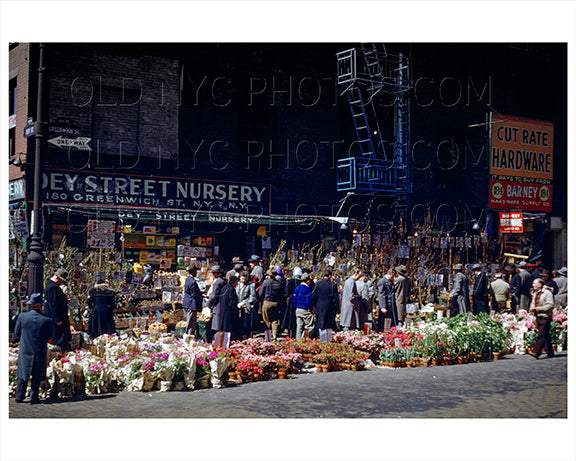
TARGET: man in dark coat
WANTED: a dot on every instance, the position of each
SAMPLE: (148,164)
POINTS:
(228,308)
(326,302)
(34,330)
(271,293)
(515,285)
(387,300)
(524,292)
(56,307)
(480,290)
(192,300)
(101,301)
(215,298)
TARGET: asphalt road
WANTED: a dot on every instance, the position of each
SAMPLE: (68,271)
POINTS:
(512,387)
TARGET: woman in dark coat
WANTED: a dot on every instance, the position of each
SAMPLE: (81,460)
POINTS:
(34,330)
(101,301)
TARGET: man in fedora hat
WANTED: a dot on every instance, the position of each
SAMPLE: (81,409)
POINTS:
(34,331)
(238,266)
(401,291)
(56,307)
(522,287)
(257,272)
(459,295)
(480,290)
(561,298)
(192,300)
(214,300)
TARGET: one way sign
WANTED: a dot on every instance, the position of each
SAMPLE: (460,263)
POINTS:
(80,143)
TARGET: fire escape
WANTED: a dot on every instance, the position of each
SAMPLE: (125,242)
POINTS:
(382,168)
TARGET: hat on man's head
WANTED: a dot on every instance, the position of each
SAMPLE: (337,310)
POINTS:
(400,269)
(476,267)
(232,279)
(237,260)
(216,268)
(522,264)
(305,276)
(192,268)
(62,274)
(297,272)
(238,266)
(254,259)
(498,275)
(457,267)
(35,298)
(563,271)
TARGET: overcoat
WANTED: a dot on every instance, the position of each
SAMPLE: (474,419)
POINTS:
(460,293)
(192,298)
(402,287)
(228,310)
(289,317)
(387,300)
(325,300)
(101,321)
(350,305)
(480,293)
(249,314)
(56,307)
(214,302)
(34,330)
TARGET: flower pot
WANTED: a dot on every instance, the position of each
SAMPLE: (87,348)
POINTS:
(554,347)
(232,374)
(425,363)
(325,368)
(409,364)
(436,362)
(496,356)
(447,360)
(282,374)
(354,367)
(462,360)
(242,377)
(257,376)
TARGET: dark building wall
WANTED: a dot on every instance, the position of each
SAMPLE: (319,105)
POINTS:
(124,100)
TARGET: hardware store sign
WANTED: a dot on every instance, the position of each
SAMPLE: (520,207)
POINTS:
(107,189)
(521,163)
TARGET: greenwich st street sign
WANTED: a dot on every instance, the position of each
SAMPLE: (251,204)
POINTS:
(154,192)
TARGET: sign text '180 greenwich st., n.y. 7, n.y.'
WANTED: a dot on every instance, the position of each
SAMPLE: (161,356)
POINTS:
(73,187)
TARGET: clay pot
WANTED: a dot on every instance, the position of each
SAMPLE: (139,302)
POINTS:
(325,368)
(319,368)
(496,356)
(232,374)
(436,362)
(425,363)
(282,374)
(354,367)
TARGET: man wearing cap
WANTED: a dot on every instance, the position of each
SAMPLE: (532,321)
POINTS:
(523,290)
(480,290)
(561,298)
(387,301)
(34,331)
(325,301)
(56,307)
(302,299)
(215,298)
(192,300)
(402,286)
(542,306)
(500,291)
(459,294)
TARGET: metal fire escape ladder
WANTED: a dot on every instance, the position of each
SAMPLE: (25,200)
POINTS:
(362,74)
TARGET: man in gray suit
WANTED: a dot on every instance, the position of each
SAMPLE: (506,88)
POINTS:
(459,295)
(402,285)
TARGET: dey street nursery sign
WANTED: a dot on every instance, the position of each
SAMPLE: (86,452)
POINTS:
(116,190)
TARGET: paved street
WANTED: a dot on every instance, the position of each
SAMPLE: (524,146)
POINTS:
(513,387)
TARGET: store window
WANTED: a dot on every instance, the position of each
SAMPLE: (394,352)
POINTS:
(12,120)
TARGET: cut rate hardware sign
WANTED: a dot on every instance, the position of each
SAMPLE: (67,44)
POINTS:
(511,222)
(521,164)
